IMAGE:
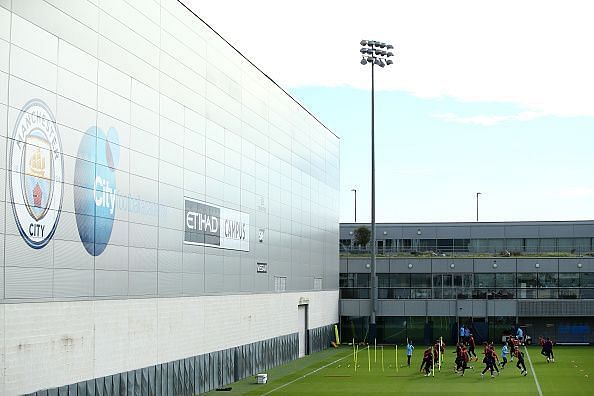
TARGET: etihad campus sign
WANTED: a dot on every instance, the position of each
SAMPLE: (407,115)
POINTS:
(36,174)
(216,226)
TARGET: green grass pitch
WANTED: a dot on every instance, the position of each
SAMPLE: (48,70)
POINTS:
(332,372)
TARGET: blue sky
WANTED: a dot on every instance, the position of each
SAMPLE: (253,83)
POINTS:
(496,97)
(429,167)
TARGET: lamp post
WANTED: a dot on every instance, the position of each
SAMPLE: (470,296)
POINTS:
(375,53)
(477,197)
(355,191)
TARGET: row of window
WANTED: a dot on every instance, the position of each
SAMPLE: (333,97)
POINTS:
(483,245)
(466,293)
(471,280)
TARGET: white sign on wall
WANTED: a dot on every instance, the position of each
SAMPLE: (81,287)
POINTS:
(211,225)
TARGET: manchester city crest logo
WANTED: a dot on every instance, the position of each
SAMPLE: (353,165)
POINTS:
(37,173)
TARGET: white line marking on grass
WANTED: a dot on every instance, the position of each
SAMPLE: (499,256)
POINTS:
(310,373)
(533,372)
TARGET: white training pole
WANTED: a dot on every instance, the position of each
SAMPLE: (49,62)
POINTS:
(439,355)
(356,358)
(432,362)
(375,350)
(382,358)
(369,359)
(396,357)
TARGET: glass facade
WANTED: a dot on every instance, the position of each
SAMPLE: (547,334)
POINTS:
(506,285)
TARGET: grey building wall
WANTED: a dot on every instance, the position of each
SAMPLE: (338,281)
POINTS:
(169,110)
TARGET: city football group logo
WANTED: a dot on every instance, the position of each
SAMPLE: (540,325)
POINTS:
(36,173)
(95,197)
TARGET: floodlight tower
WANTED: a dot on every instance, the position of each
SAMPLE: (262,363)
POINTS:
(374,53)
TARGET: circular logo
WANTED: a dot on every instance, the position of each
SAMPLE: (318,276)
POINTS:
(36,174)
(95,197)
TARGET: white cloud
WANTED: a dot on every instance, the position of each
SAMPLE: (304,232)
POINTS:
(531,53)
(577,192)
(486,120)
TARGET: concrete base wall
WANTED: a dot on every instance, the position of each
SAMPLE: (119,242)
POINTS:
(47,345)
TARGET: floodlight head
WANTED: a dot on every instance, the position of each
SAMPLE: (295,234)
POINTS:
(369,59)
(383,52)
(377,62)
(382,45)
(389,46)
(389,62)
(371,43)
(381,63)
(363,42)
(363,61)
(363,50)
(390,54)
(370,51)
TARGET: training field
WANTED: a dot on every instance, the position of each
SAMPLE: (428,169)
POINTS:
(332,372)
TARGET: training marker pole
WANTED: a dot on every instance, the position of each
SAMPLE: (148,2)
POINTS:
(356,357)
(382,358)
(396,353)
(369,359)
(375,350)
(432,363)
(439,356)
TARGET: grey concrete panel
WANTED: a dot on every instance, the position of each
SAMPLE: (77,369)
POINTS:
(364,307)
(359,265)
(169,283)
(571,264)
(28,283)
(73,283)
(142,259)
(583,230)
(464,308)
(441,308)
(142,283)
(445,265)
(488,265)
(487,231)
(553,231)
(413,266)
(521,231)
(544,265)
(452,232)
(390,308)
(415,307)
(382,265)
(479,308)
(502,308)
(111,283)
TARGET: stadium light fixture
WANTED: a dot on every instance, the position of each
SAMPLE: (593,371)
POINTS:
(373,53)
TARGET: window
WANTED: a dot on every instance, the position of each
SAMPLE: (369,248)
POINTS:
(400,280)
(548,279)
(505,280)
(354,293)
(569,279)
(461,245)
(484,280)
(383,280)
(587,279)
(353,280)
(280,283)
(317,284)
(526,279)
(420,280)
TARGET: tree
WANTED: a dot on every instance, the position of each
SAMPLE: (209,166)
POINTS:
(362,236)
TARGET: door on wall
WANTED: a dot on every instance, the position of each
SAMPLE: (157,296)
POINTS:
(302,324)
